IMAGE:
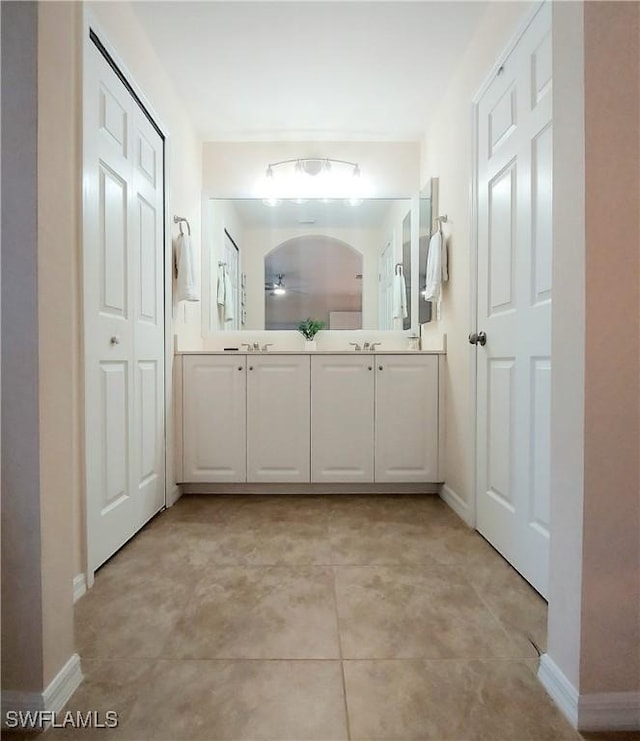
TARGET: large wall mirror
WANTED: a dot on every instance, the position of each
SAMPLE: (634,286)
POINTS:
(336,261)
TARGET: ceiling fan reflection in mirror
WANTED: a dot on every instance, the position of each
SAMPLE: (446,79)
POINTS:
(278,287)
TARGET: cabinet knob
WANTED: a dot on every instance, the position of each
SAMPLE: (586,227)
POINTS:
(380,367)
(250,367)
(370,367)
(115,340)
(239,367)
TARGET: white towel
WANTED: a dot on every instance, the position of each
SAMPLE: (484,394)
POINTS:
(221,275)
(399,297)
(437,267)
(187,288)
(229,308)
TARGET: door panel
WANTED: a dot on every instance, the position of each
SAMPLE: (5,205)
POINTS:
(115,437)
(123,313)
(406,422)
(514,299)
(278,419)
(342,413)
(214,419)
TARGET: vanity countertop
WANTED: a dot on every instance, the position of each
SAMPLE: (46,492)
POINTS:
(311,352)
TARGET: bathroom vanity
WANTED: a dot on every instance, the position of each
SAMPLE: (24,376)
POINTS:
(309,418)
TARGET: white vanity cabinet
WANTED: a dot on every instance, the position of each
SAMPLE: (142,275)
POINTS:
(319,418)
(374,418)
(278,418)
(406,418)
(342,417)
(214,428)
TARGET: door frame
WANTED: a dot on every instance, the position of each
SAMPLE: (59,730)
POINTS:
(508,49)
(90,24)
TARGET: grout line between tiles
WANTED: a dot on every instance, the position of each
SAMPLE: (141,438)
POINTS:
(344,680)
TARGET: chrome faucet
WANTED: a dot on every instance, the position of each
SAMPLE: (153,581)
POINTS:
(366,347)
(373,345)
(248,346)
(356,347)
(256,347)
(266,346)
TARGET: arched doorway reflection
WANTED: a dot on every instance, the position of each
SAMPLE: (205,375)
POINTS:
(313,276)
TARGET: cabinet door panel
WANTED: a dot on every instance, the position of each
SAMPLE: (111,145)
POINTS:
(342,418)
(406,433)
(278,418)
(214,419)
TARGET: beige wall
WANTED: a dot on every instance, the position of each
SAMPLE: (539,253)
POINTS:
(58,318)
(447,155)
(567,342)
(611,546)
(22,643)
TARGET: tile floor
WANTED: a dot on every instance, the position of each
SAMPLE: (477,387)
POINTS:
(324,618)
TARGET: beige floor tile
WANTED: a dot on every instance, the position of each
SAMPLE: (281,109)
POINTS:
(258,700)
(124,618)
(270,543)
(419,611)
(450,700)
(260,613)
(520,609)
(393,508)
(108,686)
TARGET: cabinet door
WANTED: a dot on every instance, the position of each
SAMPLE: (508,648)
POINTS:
(342,418)
(214,418)
(278,418)
(406,447)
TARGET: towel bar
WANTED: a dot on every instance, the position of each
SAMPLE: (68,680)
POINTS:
(179,220)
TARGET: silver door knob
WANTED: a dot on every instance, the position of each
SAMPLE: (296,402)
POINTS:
(115,340)
(478,338)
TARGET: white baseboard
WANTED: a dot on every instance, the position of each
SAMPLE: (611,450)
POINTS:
(605,711)
(457,504)
(54,697)
(79,586)
(559,688)
(609,711)
(64,684)
(173,496)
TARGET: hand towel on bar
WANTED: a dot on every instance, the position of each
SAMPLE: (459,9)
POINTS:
(437,267)
(221,275)
(187,287)
(229,312)
(399,296)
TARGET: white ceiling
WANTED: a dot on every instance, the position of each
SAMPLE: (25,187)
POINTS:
(314,71)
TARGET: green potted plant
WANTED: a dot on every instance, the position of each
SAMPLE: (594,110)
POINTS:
(309,328)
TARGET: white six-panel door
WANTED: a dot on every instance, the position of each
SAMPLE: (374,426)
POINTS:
(514,305)
(123,312)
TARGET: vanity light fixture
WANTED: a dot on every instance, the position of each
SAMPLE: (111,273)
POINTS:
(305,178)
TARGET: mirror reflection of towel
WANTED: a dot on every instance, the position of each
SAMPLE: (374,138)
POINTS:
(187,283)
(220,289)
(229,309)
(399,296)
